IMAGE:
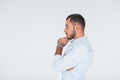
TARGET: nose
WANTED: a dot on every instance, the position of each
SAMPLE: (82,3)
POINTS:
(65,30)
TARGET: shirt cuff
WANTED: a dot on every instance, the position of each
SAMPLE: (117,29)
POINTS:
(57,57)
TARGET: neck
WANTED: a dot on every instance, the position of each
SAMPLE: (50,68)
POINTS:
(79,35)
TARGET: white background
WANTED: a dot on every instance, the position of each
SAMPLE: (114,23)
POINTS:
(29,30)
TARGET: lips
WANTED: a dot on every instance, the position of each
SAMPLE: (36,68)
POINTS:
(66,33)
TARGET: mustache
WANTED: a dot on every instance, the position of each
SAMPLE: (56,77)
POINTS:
(68,37)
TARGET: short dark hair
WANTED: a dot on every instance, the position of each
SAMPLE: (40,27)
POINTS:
(77,18)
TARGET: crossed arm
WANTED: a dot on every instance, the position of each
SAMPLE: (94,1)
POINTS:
(69,61)
(59,52)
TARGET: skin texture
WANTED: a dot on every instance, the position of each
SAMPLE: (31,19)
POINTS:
(73,31)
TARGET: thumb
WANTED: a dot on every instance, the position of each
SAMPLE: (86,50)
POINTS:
(66,38)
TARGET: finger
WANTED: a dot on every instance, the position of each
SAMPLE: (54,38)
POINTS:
(69,69)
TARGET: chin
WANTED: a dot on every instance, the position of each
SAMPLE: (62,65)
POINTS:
(69,38)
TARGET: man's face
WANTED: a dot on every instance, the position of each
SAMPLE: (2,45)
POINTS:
(69,30)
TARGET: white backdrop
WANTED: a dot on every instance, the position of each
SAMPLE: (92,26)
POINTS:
(29,30)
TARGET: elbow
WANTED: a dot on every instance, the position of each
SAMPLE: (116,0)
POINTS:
(58,67)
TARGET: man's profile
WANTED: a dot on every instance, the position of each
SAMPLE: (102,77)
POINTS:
(75,60)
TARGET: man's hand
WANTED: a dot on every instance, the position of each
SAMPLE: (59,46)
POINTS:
(69,69)
(63,41)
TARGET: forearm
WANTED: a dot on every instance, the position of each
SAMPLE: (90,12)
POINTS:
(58,50)
(58,62)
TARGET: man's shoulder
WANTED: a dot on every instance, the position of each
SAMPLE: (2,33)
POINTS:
(87,47)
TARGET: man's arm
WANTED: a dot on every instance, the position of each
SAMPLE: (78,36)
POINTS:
(61,43)
(58,50)
(69,61)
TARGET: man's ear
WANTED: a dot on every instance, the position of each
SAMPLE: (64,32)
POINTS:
(76,27)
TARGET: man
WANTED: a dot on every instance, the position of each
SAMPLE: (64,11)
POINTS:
(75,60)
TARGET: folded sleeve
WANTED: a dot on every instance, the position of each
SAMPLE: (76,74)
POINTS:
(74,57)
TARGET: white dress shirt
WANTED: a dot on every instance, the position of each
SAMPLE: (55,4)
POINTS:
(78,56)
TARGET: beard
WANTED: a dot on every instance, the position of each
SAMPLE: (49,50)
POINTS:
(72,35)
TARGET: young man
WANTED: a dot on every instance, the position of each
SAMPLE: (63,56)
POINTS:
(75,60)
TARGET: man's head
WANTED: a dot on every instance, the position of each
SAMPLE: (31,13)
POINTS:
(75,25)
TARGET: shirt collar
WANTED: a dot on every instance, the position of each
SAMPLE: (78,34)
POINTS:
(81,39)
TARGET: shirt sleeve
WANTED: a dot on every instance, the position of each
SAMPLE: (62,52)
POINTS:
(74,57)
